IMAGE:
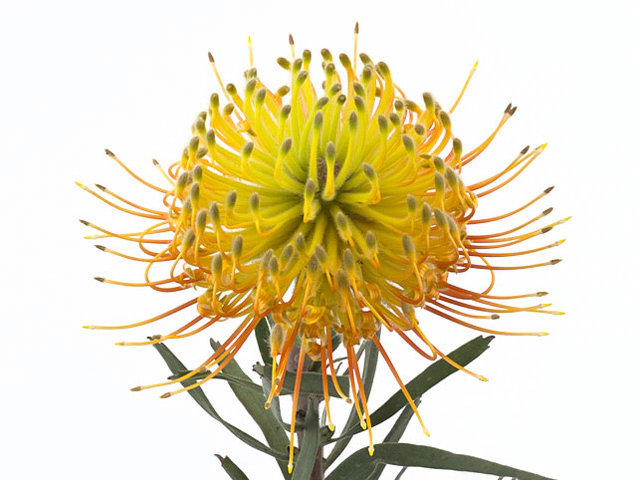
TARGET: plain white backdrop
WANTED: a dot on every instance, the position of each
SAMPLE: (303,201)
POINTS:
(131,76)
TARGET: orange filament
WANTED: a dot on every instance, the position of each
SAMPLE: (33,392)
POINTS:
(325,387)
(353,365)
(294,408)
(144,182)
(145,322)
(400,383)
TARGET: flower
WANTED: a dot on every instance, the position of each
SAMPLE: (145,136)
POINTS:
(337,208)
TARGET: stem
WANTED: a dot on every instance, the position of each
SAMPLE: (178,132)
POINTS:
(317,473)
(301,418)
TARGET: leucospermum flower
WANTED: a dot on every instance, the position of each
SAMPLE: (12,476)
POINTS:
(337,208)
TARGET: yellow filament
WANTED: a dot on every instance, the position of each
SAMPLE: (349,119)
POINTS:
(464,88)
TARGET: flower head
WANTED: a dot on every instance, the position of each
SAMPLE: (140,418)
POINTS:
(334,209)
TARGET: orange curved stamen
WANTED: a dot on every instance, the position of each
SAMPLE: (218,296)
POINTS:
(400,383)
(166,314)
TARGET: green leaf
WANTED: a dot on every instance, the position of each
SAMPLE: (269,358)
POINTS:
(263,335)
(353,422)
(360,465)
(429,377)
(201,399)
(306,458)
(310,384)
(253,400)
(275,401)
(245,382)
(231,468)
(394,436)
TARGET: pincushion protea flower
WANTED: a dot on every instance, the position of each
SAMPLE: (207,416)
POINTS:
(334,209)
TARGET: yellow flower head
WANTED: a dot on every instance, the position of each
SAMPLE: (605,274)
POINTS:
(333,208)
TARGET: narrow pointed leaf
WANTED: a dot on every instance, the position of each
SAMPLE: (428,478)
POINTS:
(306,458)
(360,465)
(310,384)
(232,469)
(429,377)
(353,423)
(245,382)
(275,401)
(201,399)
(253,400)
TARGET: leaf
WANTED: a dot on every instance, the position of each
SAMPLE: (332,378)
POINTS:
(253,400)
(310,384)
(245,382)
(201,399)
(231,468)
(353,422)
(306,458)
(429,377)
(275,402)
(360,465)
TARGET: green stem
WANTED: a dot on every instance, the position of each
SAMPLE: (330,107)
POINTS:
(317,473)
(302,418)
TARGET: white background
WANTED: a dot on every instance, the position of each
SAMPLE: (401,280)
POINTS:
(131,76)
